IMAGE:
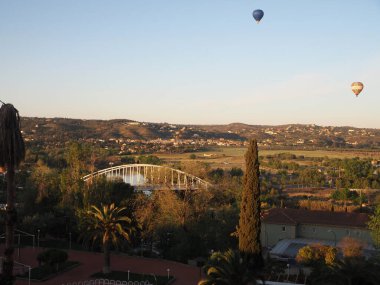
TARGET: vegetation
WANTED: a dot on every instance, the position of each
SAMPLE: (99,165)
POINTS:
(106,224)
(351,248)
(317,255)
(249,223)
(51,262)
(110,132)
(46,271)
(345,195)
(204,222)
(230,268)
(52,257)
(205,219)
(12,153)
(149,159)
(188,224)
(351,269)
(374,226)
(348,271)
(182,225)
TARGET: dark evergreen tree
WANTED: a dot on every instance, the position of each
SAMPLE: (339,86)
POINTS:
(249,223)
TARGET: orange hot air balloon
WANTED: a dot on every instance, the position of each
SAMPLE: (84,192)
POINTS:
(357,87)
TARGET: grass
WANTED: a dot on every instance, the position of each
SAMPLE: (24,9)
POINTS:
(344,153)
(123,276)
(45,272)
(228,157)
(328,153)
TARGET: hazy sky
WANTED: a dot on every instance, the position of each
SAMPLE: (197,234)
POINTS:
(193,61)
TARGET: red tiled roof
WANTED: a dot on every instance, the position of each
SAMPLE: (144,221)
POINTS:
(301,216)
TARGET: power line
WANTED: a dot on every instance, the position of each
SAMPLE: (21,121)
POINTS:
(2,102)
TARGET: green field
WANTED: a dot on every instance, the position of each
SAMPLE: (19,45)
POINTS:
(307,153)
(228,157)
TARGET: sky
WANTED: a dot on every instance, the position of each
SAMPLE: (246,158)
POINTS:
(193,62)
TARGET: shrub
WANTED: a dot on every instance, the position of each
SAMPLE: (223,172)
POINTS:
(149,159)
(52,257)
(317,254)
(236,172)
(352,247)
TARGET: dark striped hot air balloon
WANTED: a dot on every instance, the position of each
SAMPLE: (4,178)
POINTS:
(357,87)
(258,15)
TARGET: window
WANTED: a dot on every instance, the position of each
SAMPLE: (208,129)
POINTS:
(348,232)
(358,233)
(283,228)
(314,230)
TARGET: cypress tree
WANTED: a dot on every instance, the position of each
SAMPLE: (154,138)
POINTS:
(249,223)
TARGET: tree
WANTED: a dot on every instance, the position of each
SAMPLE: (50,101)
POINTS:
(12,152)
(345,194)
(197,221)
(103,191)
(149,159)
(316,255)
(229,268)
(374,226)
(235,171)
(249,223)
(196,168)
(216,175)
(77,158)
(46,183)
(106,224)
(351,248)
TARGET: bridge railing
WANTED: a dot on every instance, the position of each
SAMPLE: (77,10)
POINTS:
(147,174)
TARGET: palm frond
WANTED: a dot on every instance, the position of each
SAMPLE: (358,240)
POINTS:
(12,147)
(230,268)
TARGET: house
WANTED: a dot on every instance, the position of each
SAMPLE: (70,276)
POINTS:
(317,226)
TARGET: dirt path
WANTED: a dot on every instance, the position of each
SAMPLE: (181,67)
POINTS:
(93,262)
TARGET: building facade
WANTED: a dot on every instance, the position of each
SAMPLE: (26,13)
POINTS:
(280,223)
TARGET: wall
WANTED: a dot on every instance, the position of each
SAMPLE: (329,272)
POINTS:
(332,232)
(272,233)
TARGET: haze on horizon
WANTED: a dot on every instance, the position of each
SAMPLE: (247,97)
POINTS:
(193,62)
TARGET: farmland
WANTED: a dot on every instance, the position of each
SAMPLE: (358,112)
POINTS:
(228,157)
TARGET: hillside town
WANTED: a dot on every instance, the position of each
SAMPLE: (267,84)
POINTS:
(131,137)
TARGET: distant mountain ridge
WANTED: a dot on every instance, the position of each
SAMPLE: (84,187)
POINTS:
(308,135)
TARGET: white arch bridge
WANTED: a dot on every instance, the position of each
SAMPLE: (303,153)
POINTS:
(151,177)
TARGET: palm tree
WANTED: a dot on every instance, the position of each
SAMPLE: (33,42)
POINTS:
(229,268)
(349,271)
(106,224)
(12,152)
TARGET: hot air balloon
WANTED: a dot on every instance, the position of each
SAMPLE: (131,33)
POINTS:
(357,87)
(258,15)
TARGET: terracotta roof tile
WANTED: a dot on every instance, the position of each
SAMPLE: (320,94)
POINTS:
(301,216)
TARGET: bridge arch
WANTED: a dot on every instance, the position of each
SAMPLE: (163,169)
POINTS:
(151,177)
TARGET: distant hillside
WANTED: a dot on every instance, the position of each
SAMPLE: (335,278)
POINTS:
(305,136)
